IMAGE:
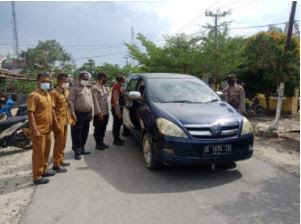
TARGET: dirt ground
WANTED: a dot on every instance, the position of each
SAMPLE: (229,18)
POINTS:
(283,153)
(16,186)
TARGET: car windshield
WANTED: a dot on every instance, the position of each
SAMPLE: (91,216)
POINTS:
(181,91)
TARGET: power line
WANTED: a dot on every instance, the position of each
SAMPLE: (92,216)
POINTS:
(99,56)
(252,27)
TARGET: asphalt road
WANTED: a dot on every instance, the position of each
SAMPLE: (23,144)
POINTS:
(113,187)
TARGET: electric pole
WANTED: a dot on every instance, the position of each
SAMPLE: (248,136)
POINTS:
(275,123)
(126,59)
(15,31)
(216,16)
(290,26)
(132,42)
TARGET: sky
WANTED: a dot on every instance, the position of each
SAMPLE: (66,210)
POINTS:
(98,30)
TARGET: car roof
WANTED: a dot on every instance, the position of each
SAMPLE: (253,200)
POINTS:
(164,76)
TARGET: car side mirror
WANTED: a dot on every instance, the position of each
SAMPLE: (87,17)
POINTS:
(134,95)
(221,95)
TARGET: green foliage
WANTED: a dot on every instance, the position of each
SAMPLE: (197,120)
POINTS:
(210,55)
(266,52)
(47,56)
(110,69)
(222,56)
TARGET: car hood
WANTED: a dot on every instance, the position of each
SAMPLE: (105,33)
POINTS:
(198,113)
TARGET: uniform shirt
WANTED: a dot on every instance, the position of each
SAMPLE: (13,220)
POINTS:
(117,86)
(80,99)
(235,96)
(100,99)
(39,102)
(61,106)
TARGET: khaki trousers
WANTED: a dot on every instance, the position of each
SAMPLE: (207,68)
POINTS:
(60,139)
(40,154)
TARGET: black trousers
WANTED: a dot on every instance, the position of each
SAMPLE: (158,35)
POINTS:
(117,123)
(80,131)
(100,128)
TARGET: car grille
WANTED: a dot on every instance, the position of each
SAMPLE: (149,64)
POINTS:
(205,131)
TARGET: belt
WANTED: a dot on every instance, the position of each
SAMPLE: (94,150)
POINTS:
(82,113)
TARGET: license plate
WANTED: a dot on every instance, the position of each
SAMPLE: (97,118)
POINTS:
(212,150)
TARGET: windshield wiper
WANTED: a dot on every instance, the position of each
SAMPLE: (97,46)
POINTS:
(213,100)
(179,101)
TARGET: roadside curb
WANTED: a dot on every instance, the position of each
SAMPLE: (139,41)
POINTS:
(262,131)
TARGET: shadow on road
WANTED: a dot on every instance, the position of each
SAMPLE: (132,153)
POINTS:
(123,168)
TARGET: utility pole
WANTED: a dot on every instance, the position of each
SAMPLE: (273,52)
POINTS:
(290,26)
(275,123)
(126,59)
(132,42)
(216,15)
(15,31)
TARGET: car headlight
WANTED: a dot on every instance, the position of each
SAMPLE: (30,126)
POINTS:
(167,127)
(247,128)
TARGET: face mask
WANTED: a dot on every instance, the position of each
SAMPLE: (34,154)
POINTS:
(231,82)
(65,85)
(45,86)
(84,82)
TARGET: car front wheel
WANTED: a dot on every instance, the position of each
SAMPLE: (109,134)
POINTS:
(150,159)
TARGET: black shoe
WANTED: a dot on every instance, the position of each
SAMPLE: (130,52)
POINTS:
(99,147)
(65,164)
(41,181)
(85,153)
(60,169)
(104,145)
(49,173)
(77,156)
(121,140)
(117,142)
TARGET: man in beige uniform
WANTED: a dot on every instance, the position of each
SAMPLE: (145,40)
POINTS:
(62,111)
(81,104)
(235,94)
(42,122)
(101,110)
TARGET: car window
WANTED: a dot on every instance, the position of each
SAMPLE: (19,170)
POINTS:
(179,90)
(132,85)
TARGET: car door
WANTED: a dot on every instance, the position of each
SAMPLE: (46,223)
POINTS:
(129,104)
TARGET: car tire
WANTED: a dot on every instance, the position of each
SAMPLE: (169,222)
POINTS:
(150,159)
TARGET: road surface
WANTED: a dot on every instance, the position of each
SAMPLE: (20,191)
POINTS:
(113,187)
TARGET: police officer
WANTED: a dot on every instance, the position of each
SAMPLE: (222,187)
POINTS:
(42,121)
(117,102)
(63,116)
(101,110)
(81,104)
(235,94)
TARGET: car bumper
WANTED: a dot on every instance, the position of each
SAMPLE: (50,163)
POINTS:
(186,152)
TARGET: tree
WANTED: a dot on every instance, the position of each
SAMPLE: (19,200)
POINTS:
(154,59)
(112,70)
(180,54)
(265,52)
(47,56)
(222,53)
